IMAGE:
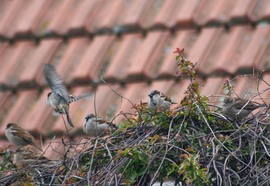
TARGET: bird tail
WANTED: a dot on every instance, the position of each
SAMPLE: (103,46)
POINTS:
(69,120)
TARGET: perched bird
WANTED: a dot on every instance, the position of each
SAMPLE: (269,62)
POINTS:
(59,98)
(158,100)
(95,126)
(24,156)
(238,108)
(19,136)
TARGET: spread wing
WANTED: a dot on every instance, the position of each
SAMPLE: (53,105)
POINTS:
(55,82)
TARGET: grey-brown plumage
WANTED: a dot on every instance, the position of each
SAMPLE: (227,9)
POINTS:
(95,126)
(59,98)
(158,100)
(24,157)
(238,108)
(18,136)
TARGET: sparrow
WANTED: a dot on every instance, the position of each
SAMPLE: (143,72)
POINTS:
(18,136)
(25,156)
(238,108)
(95,126)
(59,98)
(158,100)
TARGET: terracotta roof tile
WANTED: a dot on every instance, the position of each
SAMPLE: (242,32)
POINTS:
(55,148)
(43,53)
(188,9)
(61,19)
(106,101)
(31,15)
(47,17)
(3,9)
(232,49)
(245,86)
(256,48)
(134,12)
(85,12)
(131,96)
(13,58)
(6,103)
(70,57)
(90,65)
(148,56)
(117,69)
(7,29)
(240,12)
(179,89)
(151,14)
(22,105)
(221,12)
(165,15)
(199,54)
(202,15)
(260,9)
(101,22)
(38,118)
(213,89)
(183,39)
(130,45)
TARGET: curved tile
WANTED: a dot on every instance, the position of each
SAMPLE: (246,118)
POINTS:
(30,17)
(120,62)
(43,53)
(22,105)
(134,13)
(183,39)
(255,49)
(148,59)
(71,57)
(198,54)
(14,58)
(90,66)
(105,16)
(38,119)
(84,14)
(233,49)
(240,12)
(166,15)
(189,9)
(7,30)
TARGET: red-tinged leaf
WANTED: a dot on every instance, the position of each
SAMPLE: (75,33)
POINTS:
(177,50)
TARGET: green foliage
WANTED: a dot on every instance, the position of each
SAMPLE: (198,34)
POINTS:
(137,163)
(191,170)
(6,161)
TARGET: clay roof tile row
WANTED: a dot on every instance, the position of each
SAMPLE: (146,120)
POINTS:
(118,51)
